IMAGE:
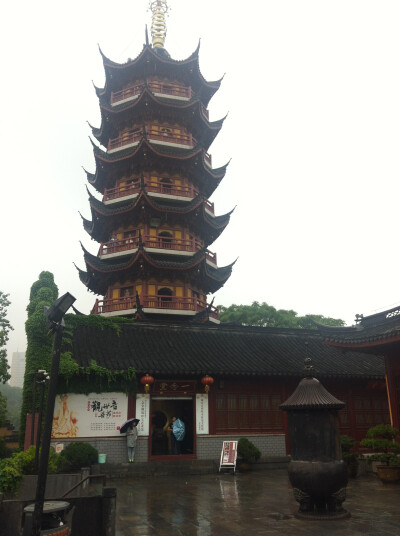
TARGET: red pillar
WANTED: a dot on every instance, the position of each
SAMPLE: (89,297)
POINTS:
(392,370)
(28,428)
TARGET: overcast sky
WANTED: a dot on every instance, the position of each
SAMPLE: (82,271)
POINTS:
(312,92)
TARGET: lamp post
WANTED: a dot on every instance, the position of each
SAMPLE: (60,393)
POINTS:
(33,410)
(54,316)
(41,377)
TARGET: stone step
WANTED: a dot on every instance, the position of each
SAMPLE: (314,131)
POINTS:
(178,467)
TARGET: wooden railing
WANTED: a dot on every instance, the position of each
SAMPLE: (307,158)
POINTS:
(166,88)
(154,187)
(171,189)
(134,136)
(118,246)
(121,191)
(127,138)
(170,136)
(163,88)
(178,244)
(110,305)
(157,242)
(126,93)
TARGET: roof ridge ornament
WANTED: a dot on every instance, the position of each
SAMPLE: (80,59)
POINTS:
(159,9)
(308,365)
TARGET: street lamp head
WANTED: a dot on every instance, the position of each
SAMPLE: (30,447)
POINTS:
(42,376)
(56,312)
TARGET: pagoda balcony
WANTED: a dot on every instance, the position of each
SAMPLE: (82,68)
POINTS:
(154,244)
(127,191)
(156,189)
(169,191)
(160,137)
(118,248)
(173,305)
(159,89)
(128,139)
(170,138)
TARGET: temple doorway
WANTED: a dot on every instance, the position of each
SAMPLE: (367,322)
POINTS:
(162,411)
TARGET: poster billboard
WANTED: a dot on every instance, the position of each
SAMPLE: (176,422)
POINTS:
(89,415)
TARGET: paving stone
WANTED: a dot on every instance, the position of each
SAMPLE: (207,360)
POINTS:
(254,503)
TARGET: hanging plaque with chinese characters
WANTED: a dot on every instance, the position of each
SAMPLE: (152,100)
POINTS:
(201,414)
(183,387)
(142,413)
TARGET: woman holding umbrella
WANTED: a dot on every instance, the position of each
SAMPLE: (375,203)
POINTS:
(130,427)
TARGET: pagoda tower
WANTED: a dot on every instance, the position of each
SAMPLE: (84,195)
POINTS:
(154,223)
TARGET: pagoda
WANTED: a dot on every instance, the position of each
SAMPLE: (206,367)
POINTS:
(154,222)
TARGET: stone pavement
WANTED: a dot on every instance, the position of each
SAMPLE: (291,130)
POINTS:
(253,503)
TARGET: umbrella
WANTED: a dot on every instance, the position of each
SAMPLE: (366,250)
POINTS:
(124,427)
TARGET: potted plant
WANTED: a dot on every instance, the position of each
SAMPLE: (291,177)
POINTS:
(248,454)
(350,458)
(381,440)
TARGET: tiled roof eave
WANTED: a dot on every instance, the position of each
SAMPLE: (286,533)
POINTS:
(216,174)
(123,154)
(148,53)
(99,208)
(222,350)
(373,340)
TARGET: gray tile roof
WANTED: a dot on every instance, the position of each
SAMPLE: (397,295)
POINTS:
(226,350)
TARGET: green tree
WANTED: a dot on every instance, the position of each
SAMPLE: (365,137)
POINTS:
(39,345)
(14,400)
(262,314)
(5,328)
(3,410)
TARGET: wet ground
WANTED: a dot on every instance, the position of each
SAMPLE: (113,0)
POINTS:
(254,503)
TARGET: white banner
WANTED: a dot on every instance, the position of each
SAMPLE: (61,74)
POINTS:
(201,414)
(90,415)
(142,413)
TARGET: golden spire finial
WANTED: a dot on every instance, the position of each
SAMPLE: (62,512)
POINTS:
(159,9)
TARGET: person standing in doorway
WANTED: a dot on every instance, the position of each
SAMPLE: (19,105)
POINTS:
(177,435)
(131,437)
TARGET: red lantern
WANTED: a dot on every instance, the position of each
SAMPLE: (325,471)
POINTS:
(147,380)
(207,381)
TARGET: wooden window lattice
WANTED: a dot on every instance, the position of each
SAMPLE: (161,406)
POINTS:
(252,412)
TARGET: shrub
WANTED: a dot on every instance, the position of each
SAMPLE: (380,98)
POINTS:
(5,452)
(10,476)
(347,443)
(380,439)
(382,431)
(22,463)
(248,451)
(77,455)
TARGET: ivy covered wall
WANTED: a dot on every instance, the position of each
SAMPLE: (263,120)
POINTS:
(39,343)
(72,378)
(92,378)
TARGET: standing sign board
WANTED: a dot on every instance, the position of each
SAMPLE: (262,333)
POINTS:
(228,455)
